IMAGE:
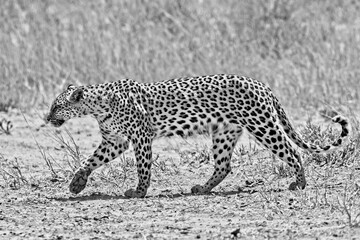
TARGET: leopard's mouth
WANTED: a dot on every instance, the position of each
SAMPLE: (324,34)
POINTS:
(57,122)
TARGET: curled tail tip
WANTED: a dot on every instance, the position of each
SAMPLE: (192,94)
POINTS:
(345,125)
(344,122)
(337,118)
(341,120)
(334,116)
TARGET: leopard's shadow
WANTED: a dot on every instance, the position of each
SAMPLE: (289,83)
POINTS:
(92,197)
(99,196)
(224,193)
(178,195)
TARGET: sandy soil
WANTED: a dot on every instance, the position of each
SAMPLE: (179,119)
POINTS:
(252,203)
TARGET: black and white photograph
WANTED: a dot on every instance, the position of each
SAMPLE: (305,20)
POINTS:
(179,119)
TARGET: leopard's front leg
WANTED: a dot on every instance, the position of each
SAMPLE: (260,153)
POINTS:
(143,154)
(107,151)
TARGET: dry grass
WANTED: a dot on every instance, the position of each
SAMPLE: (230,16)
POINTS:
(306,51)
(12,174)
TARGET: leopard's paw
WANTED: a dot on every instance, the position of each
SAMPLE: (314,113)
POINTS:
(131,193)
(297,186)
(78,183)
(198,189)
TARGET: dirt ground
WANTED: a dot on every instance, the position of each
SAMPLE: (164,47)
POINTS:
(252,203)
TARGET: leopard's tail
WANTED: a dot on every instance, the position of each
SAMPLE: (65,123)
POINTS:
(296,138)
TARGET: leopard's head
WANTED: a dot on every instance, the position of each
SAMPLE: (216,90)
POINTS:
(76,102)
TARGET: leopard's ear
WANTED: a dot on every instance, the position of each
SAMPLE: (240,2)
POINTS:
(76,96)
(71,87)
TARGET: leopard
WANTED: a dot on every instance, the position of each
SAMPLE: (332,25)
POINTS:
(220,106)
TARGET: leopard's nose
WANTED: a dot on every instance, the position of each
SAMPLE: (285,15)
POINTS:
(47,118)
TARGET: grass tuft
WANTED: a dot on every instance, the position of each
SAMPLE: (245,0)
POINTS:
(70,147)
(12,174)
(5,126)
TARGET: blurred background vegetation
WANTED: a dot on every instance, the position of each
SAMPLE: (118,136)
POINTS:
(307,51)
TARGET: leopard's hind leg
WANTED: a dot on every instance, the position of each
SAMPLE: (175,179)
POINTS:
(272,137)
